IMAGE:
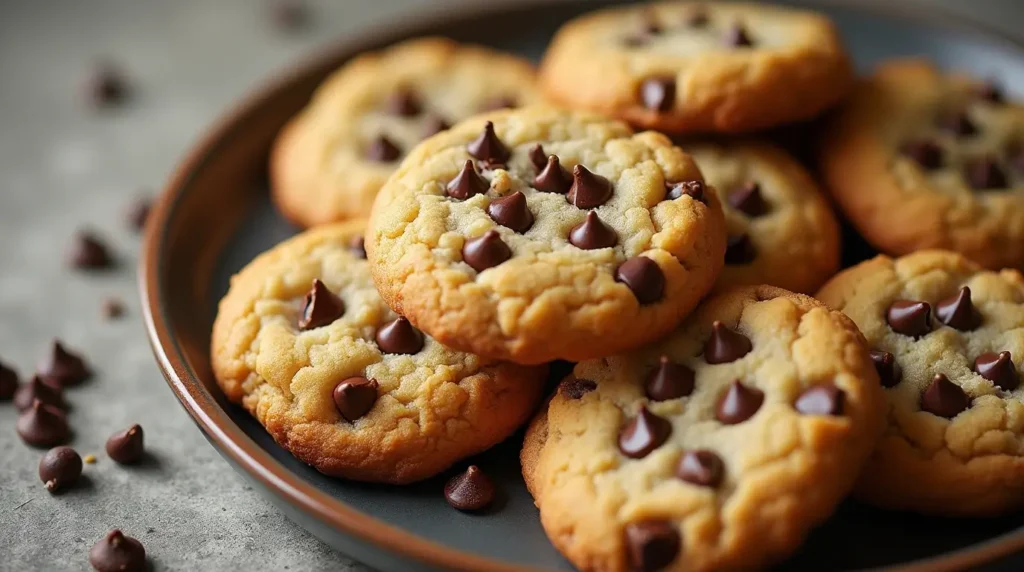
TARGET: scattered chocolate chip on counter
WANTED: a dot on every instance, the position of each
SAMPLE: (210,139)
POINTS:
(63,368)
(60,468)
(113,308)
(37,390)
(106,86)
(118,553)
(290,15)
(89,252)
(8,382)
(43,426)
(138,213)
(126,447)
(470,491)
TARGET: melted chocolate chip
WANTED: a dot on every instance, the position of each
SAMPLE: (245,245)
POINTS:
(725,345)
(575,388)
(749,200)
(404,102)
(889,372)
(652,545)
(737,36)
(358,246)
(127,447)
(927,154)
(467,183)
(60,468)
(821,400)
(553,178)
(138,213)
(36,389)
(592,234)
(909,318)
(106,86)
(539,158)
(470,491)
(118,553)
(643,434)
(383,150)
(485,251)
(89,252)
(643,277)
(62,368)
(9,382)
(958,123)
(354,397)
(739,403)
(692,189)
(944,398)
(739,250)
(998,368)
(701,467)
(511,211)
(434,125)
(320,307)
(958,312)
(670,380)
(589,190)
(488,148)
(658,93)
(399,337)
(984,173)
(43,426)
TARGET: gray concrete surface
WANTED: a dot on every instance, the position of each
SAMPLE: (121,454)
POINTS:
(63,168)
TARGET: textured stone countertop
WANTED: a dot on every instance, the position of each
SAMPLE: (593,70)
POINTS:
(63,167)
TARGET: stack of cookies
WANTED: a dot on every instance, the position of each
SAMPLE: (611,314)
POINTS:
(473,221)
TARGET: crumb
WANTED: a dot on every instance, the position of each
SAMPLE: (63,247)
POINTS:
(89,459)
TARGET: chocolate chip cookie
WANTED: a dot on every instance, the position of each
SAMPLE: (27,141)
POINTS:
(303,341)
(718,448)
(331,160)
(946,337)
(686,67)
(781,230)
(538,234)
(918,159)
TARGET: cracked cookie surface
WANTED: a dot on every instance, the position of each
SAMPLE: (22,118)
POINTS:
(331,160)
(342,382)
(689,67)
(917,160)
(596,241)
(717,448)
(954,445)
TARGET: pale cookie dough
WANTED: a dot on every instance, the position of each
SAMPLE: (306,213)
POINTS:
(688,67)
(917,159)
(330,161)
(345,385)
(718,448)
(954,446)
(491,248)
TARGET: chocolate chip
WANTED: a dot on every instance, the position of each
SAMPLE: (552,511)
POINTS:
(958,123)
(927,154)
(958,312)
(43,426)
(575,388)
(944,398)
(739,249)
(512,212)
(984,173)
(649,25)
(909,318)
(643,277)
(739,403)
(749,200)
(658,93)
(889,372)
(997,368)
(698,18)
(62,368)
(126,447)
(434,125)
(358,246)
(138,213)
(643,434)
(500,102)
(8,382)
(592,233)
(118,553)
(320,307)
(991,92)
(106,85)
(589,190)
(737,36)
(89,252)
(36,389)
(355,396)
(540,159)
(652,545)
(113,308)
(404,102)
(488,148)
(60,468)
(383,150)
(692,189)
(669,380)
(821,400)
(725,345)
(290,15)
(701,467)
(399,337)
(470,491)
(467,183)
(553,178)
(485,251)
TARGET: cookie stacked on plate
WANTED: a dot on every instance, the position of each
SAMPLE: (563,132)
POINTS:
(467,235)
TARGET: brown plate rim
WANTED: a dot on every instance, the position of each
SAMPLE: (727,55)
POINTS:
(257,462)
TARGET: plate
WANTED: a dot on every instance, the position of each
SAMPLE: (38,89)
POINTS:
(215,216)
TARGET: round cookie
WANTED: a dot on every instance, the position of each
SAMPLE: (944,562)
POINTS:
(781,229)
(329,162)
(718,448)
(938,326)
(342,382)
(688,67)
(540,234)
(917,159)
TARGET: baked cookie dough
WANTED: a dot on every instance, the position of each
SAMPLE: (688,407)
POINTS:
(330,161)
(540,234)
(948,339)
(718,448)
(345,384)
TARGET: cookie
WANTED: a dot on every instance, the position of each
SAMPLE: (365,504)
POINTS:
(690,67)
(345,384)
(948,340)
(718,448)
(920,160)
(781,229)
(538,234)
(330,161)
